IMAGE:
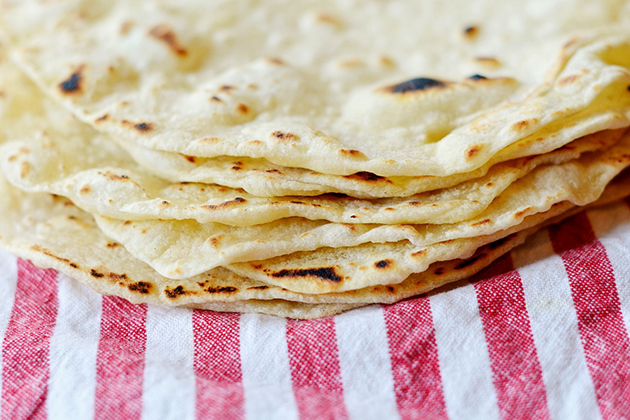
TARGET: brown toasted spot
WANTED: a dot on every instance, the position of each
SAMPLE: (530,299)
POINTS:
(523,124)
(521,213)
(275,61)
(256,266)
(223,289)
(258,288)
(351,153)
(215,99)
(489,62)
(567,80)
(490,184)
(439,271)
(419,254)
(116,276)
(383,263)
(174,293)
(324,18)
(324,273)
(470,261)
(390,288)
(628,88)
(165,34)
(127,222)
(351,227)
(215,240)
(112,245)
(125,27)
(348,64)
(209,140)
(482,222)
(44,251)
(386,61)
(353,216)
(13,158)
(236,168)
(102,118)
(365,176)
(471,32)
(473,150)
(141,287)
(190,159)
(273,171)
(96,274)
(252,86)
(73,83)
(242,108)
(224,204)
(85,189)
(284,136)
(113,177)
(226,88)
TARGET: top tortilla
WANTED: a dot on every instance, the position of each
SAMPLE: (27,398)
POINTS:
(338,87)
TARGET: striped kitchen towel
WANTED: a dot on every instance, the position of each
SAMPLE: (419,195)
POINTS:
(540,334)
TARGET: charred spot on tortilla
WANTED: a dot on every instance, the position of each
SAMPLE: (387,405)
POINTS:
(325,273)
(420,83)
(73,83)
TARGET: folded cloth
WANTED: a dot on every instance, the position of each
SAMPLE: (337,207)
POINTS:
(541,333)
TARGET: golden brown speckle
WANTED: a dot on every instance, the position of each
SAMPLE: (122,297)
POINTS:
(473,151)
(284,136)
(165,34)
(488,62)
(125,27)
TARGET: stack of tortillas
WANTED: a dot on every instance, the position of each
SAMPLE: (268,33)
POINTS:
(302,158)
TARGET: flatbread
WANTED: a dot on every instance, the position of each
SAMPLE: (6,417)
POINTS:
(107,182)
(280,82)
(52,232)
(181,249)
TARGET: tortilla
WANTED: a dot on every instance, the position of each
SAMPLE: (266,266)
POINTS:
(307,86)
(54,233)
(109,183)
(181,249)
